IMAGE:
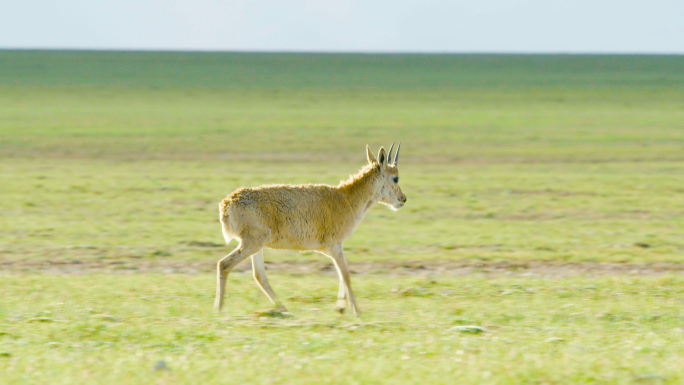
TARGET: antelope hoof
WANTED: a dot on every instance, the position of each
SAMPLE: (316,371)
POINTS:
(341,305)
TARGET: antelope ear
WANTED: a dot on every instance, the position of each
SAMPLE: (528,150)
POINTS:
(370,156)
(381,156)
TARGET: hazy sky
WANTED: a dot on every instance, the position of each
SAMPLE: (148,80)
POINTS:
(620,26)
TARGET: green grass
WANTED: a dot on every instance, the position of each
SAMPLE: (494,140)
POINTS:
(563,174)
(445,126)
(336,71)
(117,160)
(114,329)
(101,209)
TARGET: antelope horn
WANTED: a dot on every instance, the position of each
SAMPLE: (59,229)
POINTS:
(396,157)
(389,155)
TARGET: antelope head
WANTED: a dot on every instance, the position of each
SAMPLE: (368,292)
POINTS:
(390,193)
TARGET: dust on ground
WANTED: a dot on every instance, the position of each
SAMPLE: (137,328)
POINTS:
(479,267)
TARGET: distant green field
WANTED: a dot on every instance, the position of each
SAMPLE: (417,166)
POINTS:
(336,71)
(435,126)
(94,157)
(445,108)
(66,209)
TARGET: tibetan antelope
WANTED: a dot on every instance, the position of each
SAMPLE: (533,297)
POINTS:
(314,217)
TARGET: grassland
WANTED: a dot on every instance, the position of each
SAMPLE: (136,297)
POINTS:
(164,70)
(115,329)
(112,165)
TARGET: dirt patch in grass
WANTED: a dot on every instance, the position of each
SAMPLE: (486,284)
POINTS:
(488,268)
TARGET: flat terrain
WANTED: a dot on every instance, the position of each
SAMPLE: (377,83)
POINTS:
(544,206)
(98,329)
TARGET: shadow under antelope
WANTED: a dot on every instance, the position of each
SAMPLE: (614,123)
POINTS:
(314,217)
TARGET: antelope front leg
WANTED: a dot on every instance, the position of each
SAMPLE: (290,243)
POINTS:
(337,254)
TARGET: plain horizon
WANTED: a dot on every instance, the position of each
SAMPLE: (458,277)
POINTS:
(104,50)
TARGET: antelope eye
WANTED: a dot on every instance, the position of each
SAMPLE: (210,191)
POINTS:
(396,179)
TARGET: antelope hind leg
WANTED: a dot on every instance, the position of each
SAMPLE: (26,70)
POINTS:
(341,297)
(224,267)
